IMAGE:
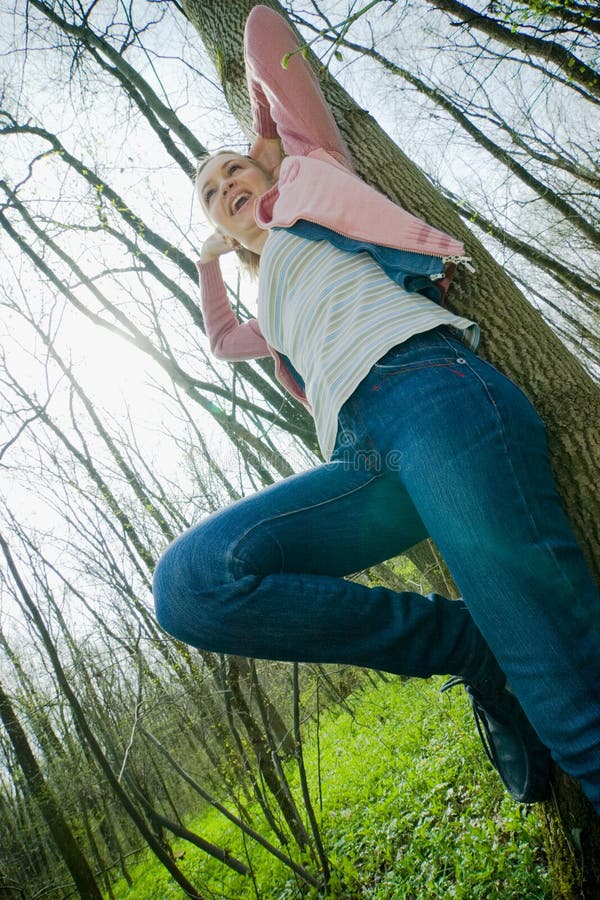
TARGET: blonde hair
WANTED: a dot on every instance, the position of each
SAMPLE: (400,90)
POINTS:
(249,260)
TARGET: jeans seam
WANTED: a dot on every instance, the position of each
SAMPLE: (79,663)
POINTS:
(230,554)
(531,517)
(361,432)
(452,347)
(389,371)
(489,365)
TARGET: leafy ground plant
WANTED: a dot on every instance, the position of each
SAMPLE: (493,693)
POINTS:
(409,809)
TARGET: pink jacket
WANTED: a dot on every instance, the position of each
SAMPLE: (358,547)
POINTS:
(316,182)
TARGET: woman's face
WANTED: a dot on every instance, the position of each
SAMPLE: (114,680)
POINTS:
(229,186)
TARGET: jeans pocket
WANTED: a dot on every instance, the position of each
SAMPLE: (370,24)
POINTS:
(393,365)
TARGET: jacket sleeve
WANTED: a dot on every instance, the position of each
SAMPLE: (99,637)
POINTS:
(228,338)
(287,103)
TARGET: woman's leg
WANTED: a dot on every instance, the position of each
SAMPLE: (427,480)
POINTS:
(471,452)
(262,578)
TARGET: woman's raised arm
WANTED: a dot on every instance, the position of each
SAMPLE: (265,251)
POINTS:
(287,103)
(229,339)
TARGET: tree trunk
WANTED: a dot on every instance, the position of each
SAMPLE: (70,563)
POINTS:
(549,51)
(87,733)
(48,805)
(514,338)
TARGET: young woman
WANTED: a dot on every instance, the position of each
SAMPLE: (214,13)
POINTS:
(422,438)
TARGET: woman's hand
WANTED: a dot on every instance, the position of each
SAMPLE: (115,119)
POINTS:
(216,245)
(268,154)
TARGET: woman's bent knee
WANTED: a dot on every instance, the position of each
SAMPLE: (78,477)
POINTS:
(168,592)
(185,586)
(199,582)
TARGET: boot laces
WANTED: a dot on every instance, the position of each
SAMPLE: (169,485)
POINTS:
(479,714)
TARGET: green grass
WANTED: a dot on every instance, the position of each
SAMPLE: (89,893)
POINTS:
(410,809)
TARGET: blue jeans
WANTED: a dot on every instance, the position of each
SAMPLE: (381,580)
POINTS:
(434,442)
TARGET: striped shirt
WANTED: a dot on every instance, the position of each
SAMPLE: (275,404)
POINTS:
(334,314)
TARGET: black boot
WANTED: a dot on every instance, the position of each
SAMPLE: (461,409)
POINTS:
(508,738)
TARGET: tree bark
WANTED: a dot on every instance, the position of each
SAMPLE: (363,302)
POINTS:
(514,335)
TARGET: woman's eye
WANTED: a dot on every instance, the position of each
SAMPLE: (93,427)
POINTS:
(233,167)
(210,192)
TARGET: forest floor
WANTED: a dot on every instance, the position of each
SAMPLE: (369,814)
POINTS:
(409,809)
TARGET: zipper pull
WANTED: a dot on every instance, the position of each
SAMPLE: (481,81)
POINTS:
(458,260)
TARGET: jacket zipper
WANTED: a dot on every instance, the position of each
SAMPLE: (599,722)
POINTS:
(457,260)
(346,235)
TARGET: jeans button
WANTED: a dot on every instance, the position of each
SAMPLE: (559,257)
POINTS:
(461,360)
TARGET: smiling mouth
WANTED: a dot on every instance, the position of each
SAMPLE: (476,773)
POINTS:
(238,203)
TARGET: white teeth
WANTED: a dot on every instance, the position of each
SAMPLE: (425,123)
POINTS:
(239,202)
